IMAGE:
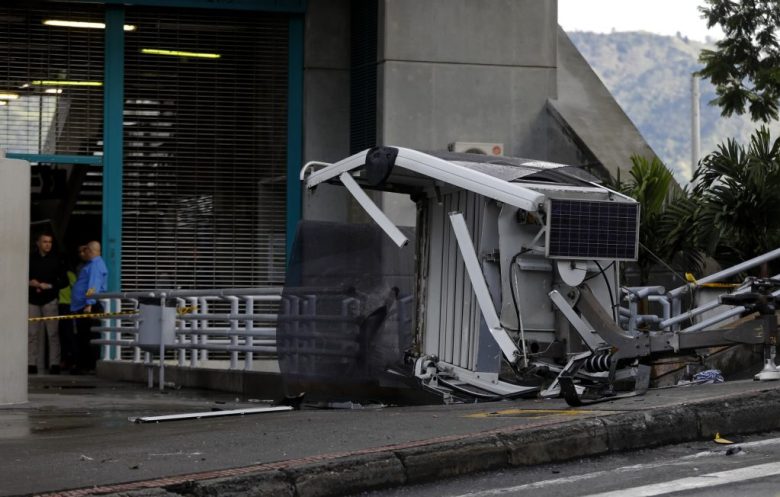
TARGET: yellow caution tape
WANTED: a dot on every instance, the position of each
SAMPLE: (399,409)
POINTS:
(103,315)
(185,310)
(87,315)
(690,278)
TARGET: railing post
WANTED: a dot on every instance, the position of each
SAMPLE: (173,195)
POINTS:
(194,326)
(181,354)
(233,331)
(136,350)
(204,326)
(249,326)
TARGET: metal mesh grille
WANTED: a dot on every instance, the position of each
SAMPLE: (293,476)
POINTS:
(205,150)
(51,95)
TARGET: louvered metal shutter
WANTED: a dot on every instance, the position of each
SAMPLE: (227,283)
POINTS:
(452,317)
(204,149)
(51,98)
(51,103)
(363,74)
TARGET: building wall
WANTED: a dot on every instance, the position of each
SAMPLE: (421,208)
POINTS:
(448,70)
(460,70)
(465,70)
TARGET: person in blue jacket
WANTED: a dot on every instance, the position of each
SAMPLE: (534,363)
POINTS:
(92,279)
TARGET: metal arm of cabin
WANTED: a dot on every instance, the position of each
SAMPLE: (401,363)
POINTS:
(335,170)
(444,171)
(586,332)
(479,285)
(372,210)
(311,164)
(468,179)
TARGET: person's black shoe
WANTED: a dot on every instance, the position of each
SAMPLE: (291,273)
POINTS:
(32,369)
(54,369)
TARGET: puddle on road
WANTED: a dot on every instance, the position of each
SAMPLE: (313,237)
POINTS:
(62,405)
(17,425)
(23,424)
(14,425)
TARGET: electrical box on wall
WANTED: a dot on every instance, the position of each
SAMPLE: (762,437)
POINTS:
(482,148)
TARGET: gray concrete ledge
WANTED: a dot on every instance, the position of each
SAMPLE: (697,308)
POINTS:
(253,384)
(740,413)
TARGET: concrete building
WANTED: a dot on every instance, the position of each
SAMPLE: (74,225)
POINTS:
(428,74)
(174,130)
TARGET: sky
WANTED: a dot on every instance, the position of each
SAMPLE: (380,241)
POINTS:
(666,17)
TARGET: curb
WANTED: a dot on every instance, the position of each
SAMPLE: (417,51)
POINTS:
(385,467)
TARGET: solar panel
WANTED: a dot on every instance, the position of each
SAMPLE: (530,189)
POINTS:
(587,229)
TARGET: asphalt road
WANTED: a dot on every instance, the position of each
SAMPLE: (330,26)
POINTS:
(80,436)
(749,467)
(75,433)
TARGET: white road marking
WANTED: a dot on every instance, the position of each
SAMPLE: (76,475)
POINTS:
(538,484)
(624,469)
(758,443)
(703,481)
(746,445)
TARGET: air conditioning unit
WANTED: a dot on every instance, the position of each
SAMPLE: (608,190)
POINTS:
(482,148)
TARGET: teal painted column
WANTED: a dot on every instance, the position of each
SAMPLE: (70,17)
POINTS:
(294,127)
(113,106)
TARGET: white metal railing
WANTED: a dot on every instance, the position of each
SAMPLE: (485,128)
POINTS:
(671,301)
(240,323)
(234,328)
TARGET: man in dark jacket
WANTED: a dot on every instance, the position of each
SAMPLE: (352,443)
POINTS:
(47,276)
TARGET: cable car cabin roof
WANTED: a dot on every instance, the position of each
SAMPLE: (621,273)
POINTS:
(510,169)
(507,179)
(515,168)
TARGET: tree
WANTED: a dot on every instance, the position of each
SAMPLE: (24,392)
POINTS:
(650,185)
(681,232)
(745,67)
(738,191)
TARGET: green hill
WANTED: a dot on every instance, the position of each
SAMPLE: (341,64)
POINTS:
(650,77)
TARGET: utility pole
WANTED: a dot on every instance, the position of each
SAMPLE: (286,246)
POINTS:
(695,124)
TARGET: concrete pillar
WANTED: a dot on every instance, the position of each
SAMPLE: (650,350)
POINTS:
(14,259)
(326,97)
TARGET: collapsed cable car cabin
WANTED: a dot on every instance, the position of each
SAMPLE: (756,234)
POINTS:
(513,273)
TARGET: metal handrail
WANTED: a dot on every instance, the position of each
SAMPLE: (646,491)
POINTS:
(240,329)
(726,273)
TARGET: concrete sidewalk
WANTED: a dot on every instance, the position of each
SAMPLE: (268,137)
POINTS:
(74,435)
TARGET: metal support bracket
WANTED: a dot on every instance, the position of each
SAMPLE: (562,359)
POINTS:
(479,285)
(587,333)
(372,210)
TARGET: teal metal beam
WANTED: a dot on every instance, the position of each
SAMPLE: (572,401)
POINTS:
(91,160)
(113,106)
(294,128)
(285,6)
